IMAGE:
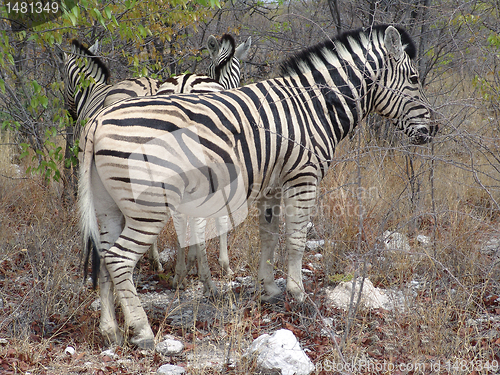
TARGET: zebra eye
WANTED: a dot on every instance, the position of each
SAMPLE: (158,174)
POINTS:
(414,79)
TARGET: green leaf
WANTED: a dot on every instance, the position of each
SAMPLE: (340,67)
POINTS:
(36,87)
(2,85)
(44,101)
(34,102)
(72,18)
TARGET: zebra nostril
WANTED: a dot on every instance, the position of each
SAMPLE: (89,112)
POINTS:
(424,130)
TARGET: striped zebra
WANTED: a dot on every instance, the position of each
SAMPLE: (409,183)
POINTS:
(86,80)
(214,154)
(223,74)
(85,103)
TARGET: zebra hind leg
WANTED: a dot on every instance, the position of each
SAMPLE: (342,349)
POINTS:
(221,224)
(154,257)
(111,222)
(198,226)
(269,216)
(181,270)
(120,262)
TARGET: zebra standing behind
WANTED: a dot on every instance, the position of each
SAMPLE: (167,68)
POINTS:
(84,101)
(268,142)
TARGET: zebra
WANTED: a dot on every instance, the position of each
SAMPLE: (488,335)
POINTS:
(223,74)
(263,143)
(83,104)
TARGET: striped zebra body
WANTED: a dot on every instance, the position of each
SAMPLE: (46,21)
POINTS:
(131,88)
(217,153)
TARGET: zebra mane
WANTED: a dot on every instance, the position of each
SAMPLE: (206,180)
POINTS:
(299,61)
(80,49)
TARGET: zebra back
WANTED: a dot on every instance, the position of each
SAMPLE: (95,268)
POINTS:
(189,83)
(131,88)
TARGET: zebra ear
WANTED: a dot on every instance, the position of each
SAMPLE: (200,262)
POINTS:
(213,46)
(60,54)
(242,50)
(392,41)
(94,48)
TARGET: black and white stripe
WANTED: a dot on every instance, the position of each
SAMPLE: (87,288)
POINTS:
(86,80)
(87,92)
(212,154)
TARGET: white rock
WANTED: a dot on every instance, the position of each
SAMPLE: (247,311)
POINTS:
(280,352)
(110,353)
(314,244)
(423,240)
(491,247)
(396,241)
(3,341)
(170,347)
(96,305)
(69,350)
(371,297)
(167,255)
(171,370)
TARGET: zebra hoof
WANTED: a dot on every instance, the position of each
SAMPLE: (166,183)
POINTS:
(211,293)
(273,300)
(145,344)
(177,282)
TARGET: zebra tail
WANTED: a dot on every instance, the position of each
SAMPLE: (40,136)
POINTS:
(88,218)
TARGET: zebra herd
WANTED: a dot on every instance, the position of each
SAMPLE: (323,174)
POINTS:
(83,103)
(215,154)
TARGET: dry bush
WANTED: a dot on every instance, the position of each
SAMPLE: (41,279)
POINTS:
(42,287)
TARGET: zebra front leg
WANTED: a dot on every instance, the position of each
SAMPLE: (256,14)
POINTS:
(221,224)
(269,216)
(198,226)
(297,214)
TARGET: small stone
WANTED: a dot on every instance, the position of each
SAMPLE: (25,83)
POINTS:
(170,347)
(96,305)
(280,353)
(314,244)
(109,353)
(396,241)
(69,351)
(171,370)
(4,341)
(423,240)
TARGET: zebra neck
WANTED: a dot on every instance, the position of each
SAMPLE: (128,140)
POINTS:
(341,103)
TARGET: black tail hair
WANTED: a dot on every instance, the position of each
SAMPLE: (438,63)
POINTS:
(96,262)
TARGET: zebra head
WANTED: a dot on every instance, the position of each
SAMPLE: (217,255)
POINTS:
(80,63)
(225,65)
(399,95)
